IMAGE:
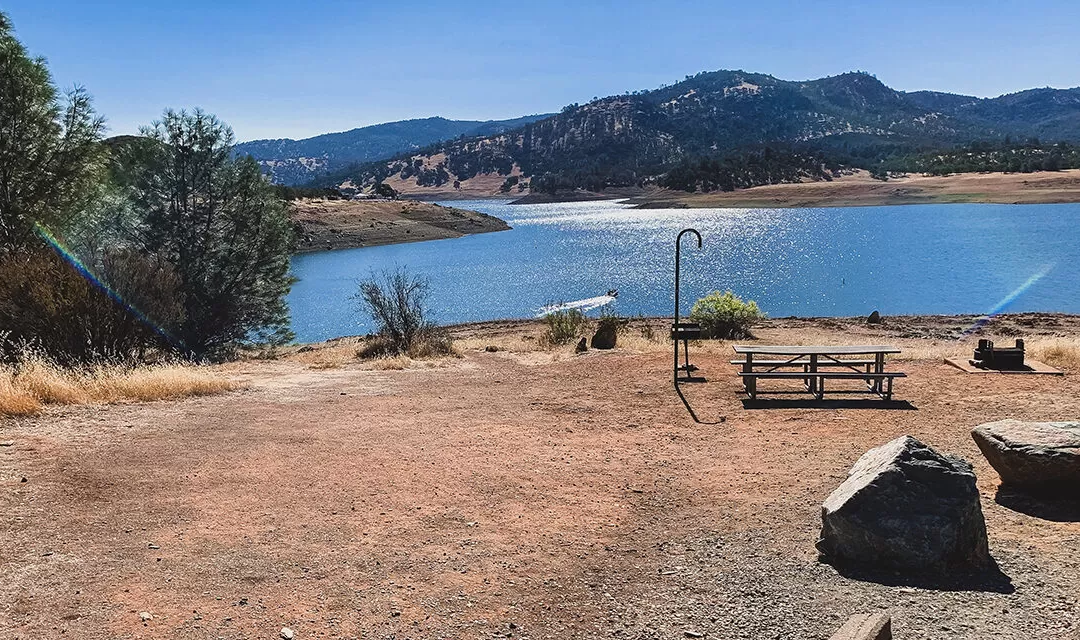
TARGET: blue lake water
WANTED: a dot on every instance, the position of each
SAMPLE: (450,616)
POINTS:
(958,258)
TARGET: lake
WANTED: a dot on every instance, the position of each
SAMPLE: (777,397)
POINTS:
(956,258)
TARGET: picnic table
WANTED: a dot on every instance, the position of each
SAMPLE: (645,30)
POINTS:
(813,364)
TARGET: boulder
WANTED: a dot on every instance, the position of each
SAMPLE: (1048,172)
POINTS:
(874,318)
(905,507)
(1041,457)
(582,346)
(604,338)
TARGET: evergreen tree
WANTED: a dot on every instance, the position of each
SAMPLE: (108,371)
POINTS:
(220,224)
(50,152)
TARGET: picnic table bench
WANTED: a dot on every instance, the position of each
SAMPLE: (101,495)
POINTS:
(814,364)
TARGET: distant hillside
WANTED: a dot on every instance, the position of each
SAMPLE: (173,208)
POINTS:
(292,162)
(747,128)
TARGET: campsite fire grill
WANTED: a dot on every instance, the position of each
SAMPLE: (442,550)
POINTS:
(987,356)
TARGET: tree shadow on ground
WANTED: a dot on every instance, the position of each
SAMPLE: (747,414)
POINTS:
(1052,508)
(812,403)
(991,579)
(686,402)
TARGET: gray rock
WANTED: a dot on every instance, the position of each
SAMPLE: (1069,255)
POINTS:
(1036,456)
(866,626)
(874,317)
(905,507)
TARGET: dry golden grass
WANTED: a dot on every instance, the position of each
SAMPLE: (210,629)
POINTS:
(390,363)
(16,401)
(37,383)
(1056,352)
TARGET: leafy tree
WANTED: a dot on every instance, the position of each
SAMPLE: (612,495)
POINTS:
(220,224)
(50,152)
(384,190)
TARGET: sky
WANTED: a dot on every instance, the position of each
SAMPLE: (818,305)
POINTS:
(296,68)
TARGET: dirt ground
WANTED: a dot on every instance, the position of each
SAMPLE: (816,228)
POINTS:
(859,189)
(522,493)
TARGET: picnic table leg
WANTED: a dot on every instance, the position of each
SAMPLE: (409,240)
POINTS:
(750,382)
(815,382)
(879,367)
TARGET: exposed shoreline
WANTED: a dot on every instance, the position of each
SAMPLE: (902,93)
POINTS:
(860,190)
(855,190)
(934,327)
(325,225)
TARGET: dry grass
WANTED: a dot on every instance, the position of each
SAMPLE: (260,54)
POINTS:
(37,383)
(390,363)
(372,353)
(1056,352)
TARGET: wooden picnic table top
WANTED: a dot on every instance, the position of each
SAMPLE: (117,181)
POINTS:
(813,349)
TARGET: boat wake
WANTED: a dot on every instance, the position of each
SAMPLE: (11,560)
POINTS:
(588,304)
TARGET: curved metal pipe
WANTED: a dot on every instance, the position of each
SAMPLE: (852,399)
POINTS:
(675,327)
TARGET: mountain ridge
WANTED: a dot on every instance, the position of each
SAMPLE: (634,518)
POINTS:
(294,161)
(733,117)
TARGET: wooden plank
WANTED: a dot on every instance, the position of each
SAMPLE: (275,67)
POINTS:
(836,375)
(1036,368)
(866,626)
(814,349)
(821,363)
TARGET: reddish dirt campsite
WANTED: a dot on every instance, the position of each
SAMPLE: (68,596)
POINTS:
(516,492)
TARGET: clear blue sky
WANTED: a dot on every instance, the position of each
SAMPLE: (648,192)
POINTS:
(294,68)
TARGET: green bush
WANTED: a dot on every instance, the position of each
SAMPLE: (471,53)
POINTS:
(564,326)
(724,315)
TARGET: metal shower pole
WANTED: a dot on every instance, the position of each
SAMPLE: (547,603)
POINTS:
(676,327)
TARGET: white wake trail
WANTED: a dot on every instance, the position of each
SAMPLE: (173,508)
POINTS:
(588,304)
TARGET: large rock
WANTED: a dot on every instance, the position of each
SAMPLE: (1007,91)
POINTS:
(605,338)
(905,507)
(1036,456)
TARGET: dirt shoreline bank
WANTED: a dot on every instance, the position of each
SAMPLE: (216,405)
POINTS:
(855,190)
(860,190)
(942,327)
(324,225)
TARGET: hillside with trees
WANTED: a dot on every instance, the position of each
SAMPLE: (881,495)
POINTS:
(733,129)
(292,162)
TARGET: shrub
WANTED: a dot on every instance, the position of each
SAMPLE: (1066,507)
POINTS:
(397,302)
(723,315)
(564,326)
(50,307)
(611,322)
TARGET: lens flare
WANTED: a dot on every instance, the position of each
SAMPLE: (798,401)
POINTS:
(68,256)
(1007,301)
